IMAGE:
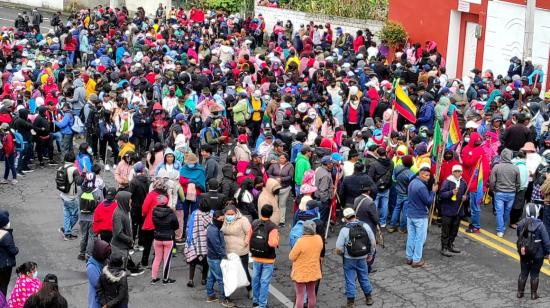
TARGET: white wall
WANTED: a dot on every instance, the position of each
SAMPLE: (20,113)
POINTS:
(350,25)
(50,4)
(504,37)
(452,43)
(150,6)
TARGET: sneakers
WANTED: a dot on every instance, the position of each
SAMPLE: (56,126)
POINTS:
(500,234)
(190,284)
(473,230)
(453,249)
(20,173)
(391,229)
(28,170)
(445,252)
(81,257)
(368,300)
(3,181)
(136,272)
(418,264)
(52,163)
(154,281)
(61,230)
(70,237)
(131,252)
(168,281)
(228,303)
(180,242)
(212,299)
(138,248)
(107,167)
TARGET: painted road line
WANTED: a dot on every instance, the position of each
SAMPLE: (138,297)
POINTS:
(514,255)
(499,239)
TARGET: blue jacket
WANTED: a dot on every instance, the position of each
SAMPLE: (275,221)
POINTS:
(66,124)
(402,176)
(84,162)
(215,243)
(93,269)
(8,250)
(142,124)
(426,115)
(541,235)
(420,199)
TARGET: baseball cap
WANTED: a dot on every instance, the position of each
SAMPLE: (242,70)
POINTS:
(348,212)
(457,168)
(326,160)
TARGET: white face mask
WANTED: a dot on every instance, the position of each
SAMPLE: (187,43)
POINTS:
(35,275)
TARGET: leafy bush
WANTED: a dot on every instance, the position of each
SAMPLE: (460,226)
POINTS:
(393,33)
(230,6)
(362,9)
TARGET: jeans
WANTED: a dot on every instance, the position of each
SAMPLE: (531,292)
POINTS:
(475,210)
(400,212)
(70,57)
(261,278)
(9,165)
(356,268)
(87,239)
(188,208)
(417,228)
(70,215)
(214,275)
(381,201)
(24,157)
(57,136)
(67,143)
(503,205)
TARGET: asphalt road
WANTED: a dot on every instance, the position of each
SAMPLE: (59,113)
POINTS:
(484,275)
(8,14)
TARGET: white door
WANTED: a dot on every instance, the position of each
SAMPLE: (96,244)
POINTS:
(470,48)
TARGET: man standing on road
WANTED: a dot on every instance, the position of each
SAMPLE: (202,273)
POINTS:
(325,186)
(356,244)
(505,181)
(70,198)
(381,172)
(420,200)
(36,20)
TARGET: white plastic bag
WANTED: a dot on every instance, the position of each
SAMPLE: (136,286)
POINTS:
(234,276)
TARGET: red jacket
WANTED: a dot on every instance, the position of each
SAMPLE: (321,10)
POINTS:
(149,204)
(5,118)
(8,144)
(470,156)
(103,216)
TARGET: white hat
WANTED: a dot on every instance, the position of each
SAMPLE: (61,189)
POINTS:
(348,212)
(471,124)
(457,168)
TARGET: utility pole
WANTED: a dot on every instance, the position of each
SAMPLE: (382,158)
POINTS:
(529,28)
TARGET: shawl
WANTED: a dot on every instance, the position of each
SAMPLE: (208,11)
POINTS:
(196,244)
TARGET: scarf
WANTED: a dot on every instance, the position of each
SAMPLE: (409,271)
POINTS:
(354,104)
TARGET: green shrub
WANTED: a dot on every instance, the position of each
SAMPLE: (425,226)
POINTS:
(393,33)
(362,9)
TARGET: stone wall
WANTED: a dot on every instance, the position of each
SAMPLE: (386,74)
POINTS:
(350,25)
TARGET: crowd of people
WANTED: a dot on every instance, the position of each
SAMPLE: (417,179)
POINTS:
(220,135)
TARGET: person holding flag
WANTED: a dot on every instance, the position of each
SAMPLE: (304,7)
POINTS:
(476,170)
(453,193)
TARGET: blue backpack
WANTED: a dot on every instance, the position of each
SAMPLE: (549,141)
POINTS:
(203,134)
(19,141)
(295,233)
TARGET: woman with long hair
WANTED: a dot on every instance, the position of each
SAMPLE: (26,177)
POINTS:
(155,158)
(48,295)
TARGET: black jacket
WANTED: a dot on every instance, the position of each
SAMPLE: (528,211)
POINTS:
(42,126)
(541,235)
(8,250)
(380,167)
(56,302)
(112,287)
(214,199)
(351,186)
(228,185)
(165,222)
(23,125)
(138,187)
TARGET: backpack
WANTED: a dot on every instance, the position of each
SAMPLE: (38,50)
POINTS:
(54,21)
(279,116)
(19,141)
(384,181)
(62,180)
(259,246)
(358,244)
(78,126)
(231,155)
(203,134)
(295,233)
(527,241)
(88,202)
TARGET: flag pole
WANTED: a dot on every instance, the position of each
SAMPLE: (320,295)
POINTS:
(437,173)
(478,166)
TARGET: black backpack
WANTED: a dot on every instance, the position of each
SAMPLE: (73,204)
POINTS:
(259,246)
(526,240)
(62,180)
(358,244)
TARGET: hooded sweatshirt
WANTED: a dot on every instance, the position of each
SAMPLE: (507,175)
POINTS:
(112,288)
(541,235)
(505,176)
(166,222)
(79,97)
(268,197)
(122,225)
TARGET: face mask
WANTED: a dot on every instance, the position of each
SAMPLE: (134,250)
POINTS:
(466,139)
(191,165)
(484,96)
(461,91)
(35,275)
(477,143)
(8,226)
(230,218)
(220,92)
(288,84)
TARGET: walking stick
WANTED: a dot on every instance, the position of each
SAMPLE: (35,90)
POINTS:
(328,221)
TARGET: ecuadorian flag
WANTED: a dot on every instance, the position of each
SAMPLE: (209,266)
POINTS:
(404,105)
